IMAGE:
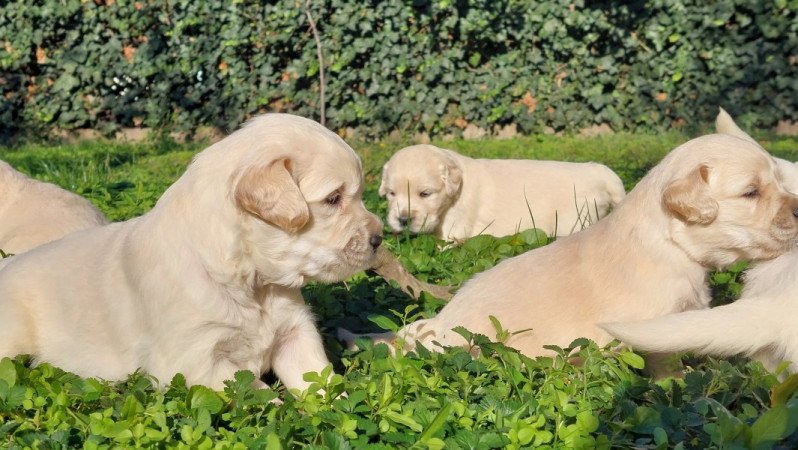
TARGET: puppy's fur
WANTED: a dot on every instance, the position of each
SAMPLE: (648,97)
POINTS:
(761,324)
(712,201)
(725,124)
(434,190)
(34,212)
(206,283)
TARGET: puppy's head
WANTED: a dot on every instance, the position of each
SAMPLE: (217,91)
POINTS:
(420,182)
(299,195)
(727,201)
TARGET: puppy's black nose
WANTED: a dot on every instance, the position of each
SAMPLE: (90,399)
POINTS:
(375,241)
(403,221)
(795,213)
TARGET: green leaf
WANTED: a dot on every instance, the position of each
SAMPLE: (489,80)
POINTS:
(775,424)
(632,359)
(384,322)
(273,442)
(203,398)
(474,59)
(437,423)
(781,392)
(660,436)
(8,372)
(404,420)
(588,421)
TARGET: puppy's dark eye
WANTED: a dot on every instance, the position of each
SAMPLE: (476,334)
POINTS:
(753,193)
(333,199)
(391,193)
(424,194)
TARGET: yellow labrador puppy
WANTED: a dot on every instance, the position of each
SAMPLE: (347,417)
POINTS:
(206,283)
(761,324)
(33,212)
(434,190)
(712,201)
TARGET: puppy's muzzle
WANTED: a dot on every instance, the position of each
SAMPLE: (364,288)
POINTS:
(786,218)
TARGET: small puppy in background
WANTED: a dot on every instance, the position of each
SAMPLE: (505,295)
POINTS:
(33,212)
(760,325)
(710,202)
(208,282)
(434,190)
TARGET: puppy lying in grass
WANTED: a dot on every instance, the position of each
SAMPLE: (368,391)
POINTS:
(761,324)
(434,190)
(207,282)
(711,202)
(34,212)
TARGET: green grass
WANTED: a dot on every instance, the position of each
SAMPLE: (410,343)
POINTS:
(415,400)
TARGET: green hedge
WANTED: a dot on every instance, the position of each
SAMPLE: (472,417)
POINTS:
(419,65)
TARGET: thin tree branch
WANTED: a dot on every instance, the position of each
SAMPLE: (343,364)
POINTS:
(321,60)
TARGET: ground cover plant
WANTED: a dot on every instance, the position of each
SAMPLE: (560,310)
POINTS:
(416,400)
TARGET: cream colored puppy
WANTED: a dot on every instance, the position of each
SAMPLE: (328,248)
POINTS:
(711,202)
(207,282)
(761,324)
(434,190)
(34,212)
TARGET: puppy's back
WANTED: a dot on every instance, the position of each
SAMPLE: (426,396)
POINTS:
(36,212)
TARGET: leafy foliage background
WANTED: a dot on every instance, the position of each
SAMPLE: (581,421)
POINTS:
(433,66)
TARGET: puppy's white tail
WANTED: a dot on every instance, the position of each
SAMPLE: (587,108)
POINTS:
(724,124)
(743,327)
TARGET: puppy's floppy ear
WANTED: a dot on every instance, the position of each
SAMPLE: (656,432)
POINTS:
(270,193)
(452,176)
(688,198)
(383,183)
